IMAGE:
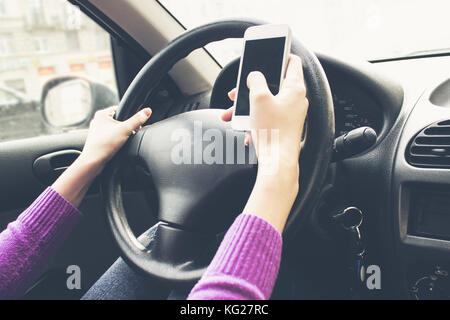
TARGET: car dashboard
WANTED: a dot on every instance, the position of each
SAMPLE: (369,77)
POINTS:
(379,180)
(356,97)
(354,108)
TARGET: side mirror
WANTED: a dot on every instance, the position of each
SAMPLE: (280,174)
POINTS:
(71,101)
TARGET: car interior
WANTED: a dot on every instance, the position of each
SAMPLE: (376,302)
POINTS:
(374,168)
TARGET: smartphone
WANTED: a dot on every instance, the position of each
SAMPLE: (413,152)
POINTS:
(266,49)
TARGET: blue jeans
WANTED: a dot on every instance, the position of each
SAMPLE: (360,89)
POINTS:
(120,282)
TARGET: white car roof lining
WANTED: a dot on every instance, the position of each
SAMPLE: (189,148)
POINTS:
(153,27)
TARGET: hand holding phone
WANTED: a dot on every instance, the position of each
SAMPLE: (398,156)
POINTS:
(266,49)
(284,113)
(277,181)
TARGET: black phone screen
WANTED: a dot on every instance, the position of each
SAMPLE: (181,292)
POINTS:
(266,56)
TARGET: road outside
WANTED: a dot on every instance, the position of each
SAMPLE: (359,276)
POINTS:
(25,124)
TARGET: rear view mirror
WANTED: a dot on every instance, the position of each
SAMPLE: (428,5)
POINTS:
(71,101)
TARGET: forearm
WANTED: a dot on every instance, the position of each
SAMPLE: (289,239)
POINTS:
(246,264)
(28,243)
(247,261)
(76,180)
(273,195)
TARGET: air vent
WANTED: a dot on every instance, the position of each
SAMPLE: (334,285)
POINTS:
(430,148)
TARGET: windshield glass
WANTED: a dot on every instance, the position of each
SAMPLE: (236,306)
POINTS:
(367,29)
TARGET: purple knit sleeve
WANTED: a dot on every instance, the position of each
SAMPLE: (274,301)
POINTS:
(28,243)
(245,265)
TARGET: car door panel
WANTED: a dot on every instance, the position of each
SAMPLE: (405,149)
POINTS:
(89,246)
(18,183)
(28,166)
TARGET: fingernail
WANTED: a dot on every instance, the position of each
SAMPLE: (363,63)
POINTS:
(254,74)
(147,111)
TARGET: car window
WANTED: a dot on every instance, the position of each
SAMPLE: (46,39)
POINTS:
(55,68)
(362,29)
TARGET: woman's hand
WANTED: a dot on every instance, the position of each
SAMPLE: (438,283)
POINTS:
(105,137)
(277,125)
(283,114)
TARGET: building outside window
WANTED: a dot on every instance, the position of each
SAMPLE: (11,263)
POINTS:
(73,42)
(2,8)
(40,45)
(35,12)
(102,41)
(72,17)
(5,45)
(39,41)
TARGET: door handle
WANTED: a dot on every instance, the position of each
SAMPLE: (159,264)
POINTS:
(49,167)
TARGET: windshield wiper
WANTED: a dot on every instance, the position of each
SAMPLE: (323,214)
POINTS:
(438,52)
(427,52)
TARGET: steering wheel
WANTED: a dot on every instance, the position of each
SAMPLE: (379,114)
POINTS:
(199,200)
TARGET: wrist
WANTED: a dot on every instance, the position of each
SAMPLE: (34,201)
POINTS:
(93,165)
(286,172)
(284,181)
(76,180)
(272,197)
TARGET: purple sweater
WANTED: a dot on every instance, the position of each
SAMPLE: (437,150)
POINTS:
(245,266)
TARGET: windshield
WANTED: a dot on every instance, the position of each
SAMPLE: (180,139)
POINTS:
(367,29)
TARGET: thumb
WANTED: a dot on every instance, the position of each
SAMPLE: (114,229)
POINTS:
(257,84)
(134,122)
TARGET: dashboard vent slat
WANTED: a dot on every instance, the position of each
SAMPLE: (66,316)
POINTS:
(430,148)
(438,131)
